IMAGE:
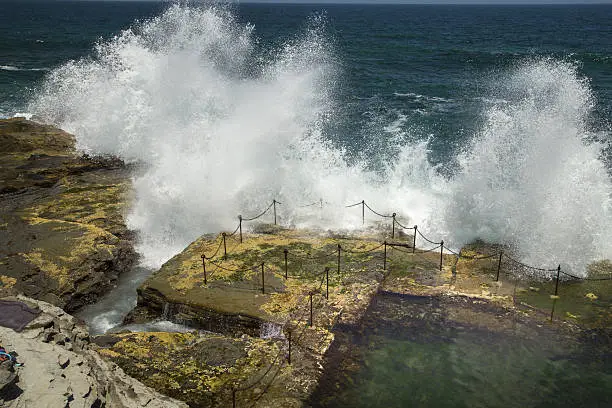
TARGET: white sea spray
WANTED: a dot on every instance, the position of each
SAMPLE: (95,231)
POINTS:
(221,129)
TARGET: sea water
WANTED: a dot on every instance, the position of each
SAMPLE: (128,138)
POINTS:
(475,122)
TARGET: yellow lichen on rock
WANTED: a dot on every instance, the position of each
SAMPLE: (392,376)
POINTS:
(65,241)
(189,366)
(7,281)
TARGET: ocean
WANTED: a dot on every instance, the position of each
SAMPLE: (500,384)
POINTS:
(474,122)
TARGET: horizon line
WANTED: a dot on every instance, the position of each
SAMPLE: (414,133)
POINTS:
(361,2)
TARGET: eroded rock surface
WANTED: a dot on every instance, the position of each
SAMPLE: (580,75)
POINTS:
(62,233)
(62,369)
(232,303)
(197,368)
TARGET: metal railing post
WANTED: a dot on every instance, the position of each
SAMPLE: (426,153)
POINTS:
(385,257)
(310,321)
(240,227)
(262,279)
(286,251)
(362,212)
(552,311)
(204,267)
(339,248)
(327,283)
(224,246)
(501,254)
(289,339)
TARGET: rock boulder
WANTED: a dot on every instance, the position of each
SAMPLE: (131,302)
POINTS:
(62,369)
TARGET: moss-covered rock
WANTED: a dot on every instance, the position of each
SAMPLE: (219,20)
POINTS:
(232,296)
(231,302)
(236,298)
(62,234)
(196,368)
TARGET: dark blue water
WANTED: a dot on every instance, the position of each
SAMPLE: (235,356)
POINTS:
(433,67)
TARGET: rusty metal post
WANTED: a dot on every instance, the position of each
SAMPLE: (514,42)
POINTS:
(441,253)
(204,267)
(385,257)
(501,254)
(393,227)
(339,248)
(262,279)
(224,246)
(240,227)
(414,239)
(310,321)
(286,251)
(362,212)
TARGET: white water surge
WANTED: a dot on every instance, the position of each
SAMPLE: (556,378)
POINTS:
(529,178)
(222,130)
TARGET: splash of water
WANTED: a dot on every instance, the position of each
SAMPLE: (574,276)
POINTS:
(530,179)
(221,130)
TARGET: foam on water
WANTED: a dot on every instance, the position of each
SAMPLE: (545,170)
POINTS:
(15,69)
(529,178)
(221,129)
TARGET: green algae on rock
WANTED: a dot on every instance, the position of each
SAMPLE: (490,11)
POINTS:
(195,368)
(64,239)
(232,296)
(234,285)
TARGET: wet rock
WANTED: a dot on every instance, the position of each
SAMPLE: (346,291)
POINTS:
(106,340)
(63,238)
(189,366)
(202,370)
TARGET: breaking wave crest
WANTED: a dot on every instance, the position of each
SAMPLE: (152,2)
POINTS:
(530,178)
(222,128)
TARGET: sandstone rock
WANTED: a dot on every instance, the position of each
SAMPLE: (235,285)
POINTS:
(62,234)
(63,360)
(54,376)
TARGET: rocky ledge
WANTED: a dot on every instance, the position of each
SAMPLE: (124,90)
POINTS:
(257,300)
(258,316)
(62,233)
(60,368)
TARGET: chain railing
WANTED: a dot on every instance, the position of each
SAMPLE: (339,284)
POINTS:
(402,247)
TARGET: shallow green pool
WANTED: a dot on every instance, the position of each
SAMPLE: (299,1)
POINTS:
(424,352)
